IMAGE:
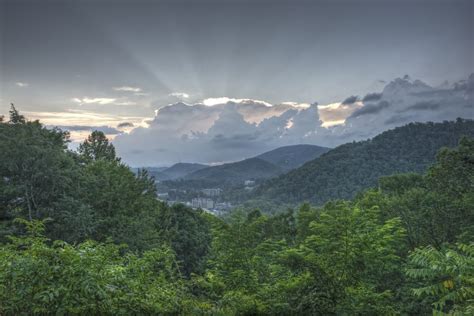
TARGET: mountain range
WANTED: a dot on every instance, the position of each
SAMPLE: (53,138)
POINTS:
(264,166)
(347,169)
(291,157)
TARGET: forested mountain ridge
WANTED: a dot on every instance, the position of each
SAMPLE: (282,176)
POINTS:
(343,171)
(237,172)
(267,165)
(182,169)
(293,156)
(263,166)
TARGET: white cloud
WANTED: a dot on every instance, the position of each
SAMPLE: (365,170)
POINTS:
(102,101)
(223,100)
(125,103)
(179,95)
(336,113)
(79,117)
(22,84)
(230,129)
(141,94)
(128,89)
(297,105)
(222,132)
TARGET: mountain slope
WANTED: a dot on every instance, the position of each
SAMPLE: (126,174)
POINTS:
(253,168)
(349,168)
(291,157)
(182,169)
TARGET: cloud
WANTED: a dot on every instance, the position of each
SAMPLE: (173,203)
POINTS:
(407,100)
(125,103)
(336,113)
(372,97)
(78,128)
(128,89)
(424,106)
(81,117)
(230,129)
(370,109)
(22,84)
(78,133)
(179,95)
(125,124)
(297,105)
(396,119)
(223,100)
(350,100)
(467,86)
(222,132)
(103,101)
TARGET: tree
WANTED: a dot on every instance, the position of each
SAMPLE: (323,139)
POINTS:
(187,232)
(15,117)
(353,247)
(446,277)
(34,166)
(97,147)
(124,206)
(38,276)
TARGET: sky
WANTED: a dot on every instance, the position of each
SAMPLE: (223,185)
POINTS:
(217,81)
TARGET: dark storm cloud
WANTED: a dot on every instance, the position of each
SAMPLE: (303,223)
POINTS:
(239,140)
(465,85)
(424,106)
(350,100)
(370,109)
(372,97)
(434,93)
(398,119)
(125,124)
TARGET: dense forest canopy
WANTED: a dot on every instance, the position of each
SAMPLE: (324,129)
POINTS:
(82,234)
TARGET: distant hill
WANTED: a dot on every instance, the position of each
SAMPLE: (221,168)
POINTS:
(291,157)
(264,166)
(181,170)
(237,172)
(347,169)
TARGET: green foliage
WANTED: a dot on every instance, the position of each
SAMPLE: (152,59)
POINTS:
(41,179)
(435,208)
(447,277)
(35,168)
(358,252)
(117,197)
(97,147)
(188,233)
(40,278)
(15,117)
